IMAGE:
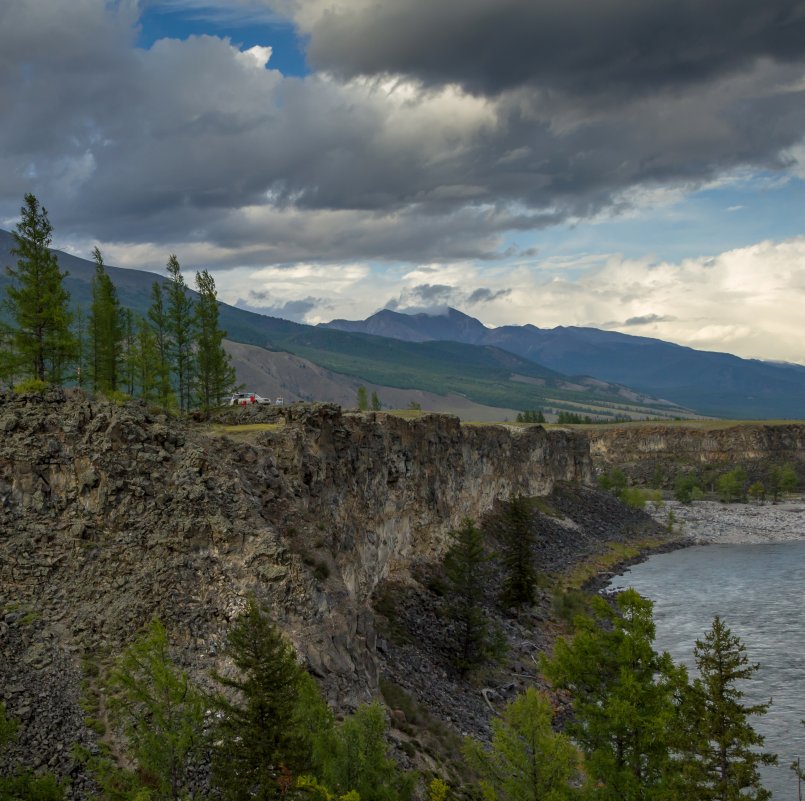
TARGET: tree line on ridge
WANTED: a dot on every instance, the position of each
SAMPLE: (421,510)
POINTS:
(173,357)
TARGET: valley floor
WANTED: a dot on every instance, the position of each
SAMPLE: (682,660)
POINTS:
(706,522)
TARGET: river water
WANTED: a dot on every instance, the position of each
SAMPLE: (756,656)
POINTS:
(757,590)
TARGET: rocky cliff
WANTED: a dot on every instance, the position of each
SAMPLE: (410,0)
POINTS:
(111,515)
(664,450)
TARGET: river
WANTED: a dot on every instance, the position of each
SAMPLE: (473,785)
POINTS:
(757,590)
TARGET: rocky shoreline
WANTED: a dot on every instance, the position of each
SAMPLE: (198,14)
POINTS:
(709,522)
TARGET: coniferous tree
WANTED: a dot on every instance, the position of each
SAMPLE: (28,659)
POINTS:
(376,405)
(158,318)
(145,361)
(466,566)
(728,746)
(161,712)
(180,326)
(362,398)
(215,376)
(527,760)
(38,302)
(105,329)
(257,739)
(359,760)
(623,700)
(517,539)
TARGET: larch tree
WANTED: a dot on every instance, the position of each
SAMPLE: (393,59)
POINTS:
(180,325)
(623,699)
(158,320)
(527,760)
(729,751)
(105,329)
(215,376)
(38,301)
(160,711)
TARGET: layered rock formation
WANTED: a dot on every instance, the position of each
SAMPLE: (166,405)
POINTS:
(658,450)
(111,515)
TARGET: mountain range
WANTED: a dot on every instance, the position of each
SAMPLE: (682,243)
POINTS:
(452,361)
(717,384)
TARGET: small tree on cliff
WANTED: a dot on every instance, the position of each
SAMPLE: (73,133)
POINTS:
(527,760)
(257,737)
(466,566)
(517,538)
(160,711)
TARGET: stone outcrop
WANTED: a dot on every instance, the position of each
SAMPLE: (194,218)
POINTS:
(111,515)
(665,450)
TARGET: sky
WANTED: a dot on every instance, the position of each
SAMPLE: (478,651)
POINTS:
(631,165)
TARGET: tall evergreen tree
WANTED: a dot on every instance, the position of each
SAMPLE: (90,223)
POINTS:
(105,329)
(257,736)
(728,746)
(215,376)
(517,539)
(43,342)
(158,318)
(145,363)
(623,700)
(466,566)
(180,326)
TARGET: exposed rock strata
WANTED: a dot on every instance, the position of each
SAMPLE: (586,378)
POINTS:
(644,452)
(112,515)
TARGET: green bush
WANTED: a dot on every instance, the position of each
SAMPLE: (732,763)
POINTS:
(30,385)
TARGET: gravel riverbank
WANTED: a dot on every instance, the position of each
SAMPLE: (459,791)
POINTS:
(705,522)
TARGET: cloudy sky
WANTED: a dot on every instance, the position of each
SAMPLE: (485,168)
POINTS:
(626,164)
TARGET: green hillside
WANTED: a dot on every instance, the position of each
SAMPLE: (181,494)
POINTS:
(484,374)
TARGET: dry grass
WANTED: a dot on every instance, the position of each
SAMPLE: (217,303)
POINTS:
(245,431)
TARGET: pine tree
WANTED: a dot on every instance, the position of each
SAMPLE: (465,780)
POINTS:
(517,539)
(376,405)
(257,736)
(43,342)
(623,699)
(728,745)
(527,760)
(158,318)
(466,566)
(105,329)
(215,376)
(179,315)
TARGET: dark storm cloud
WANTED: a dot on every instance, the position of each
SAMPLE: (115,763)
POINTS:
(484,295)
(578,46)
(195,142)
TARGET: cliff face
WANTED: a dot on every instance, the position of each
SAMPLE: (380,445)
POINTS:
(111,515)
(641,450)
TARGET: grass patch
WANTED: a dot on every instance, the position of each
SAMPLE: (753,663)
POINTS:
(616,554)
(245,430)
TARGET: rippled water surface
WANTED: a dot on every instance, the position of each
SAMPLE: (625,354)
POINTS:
(757,590)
